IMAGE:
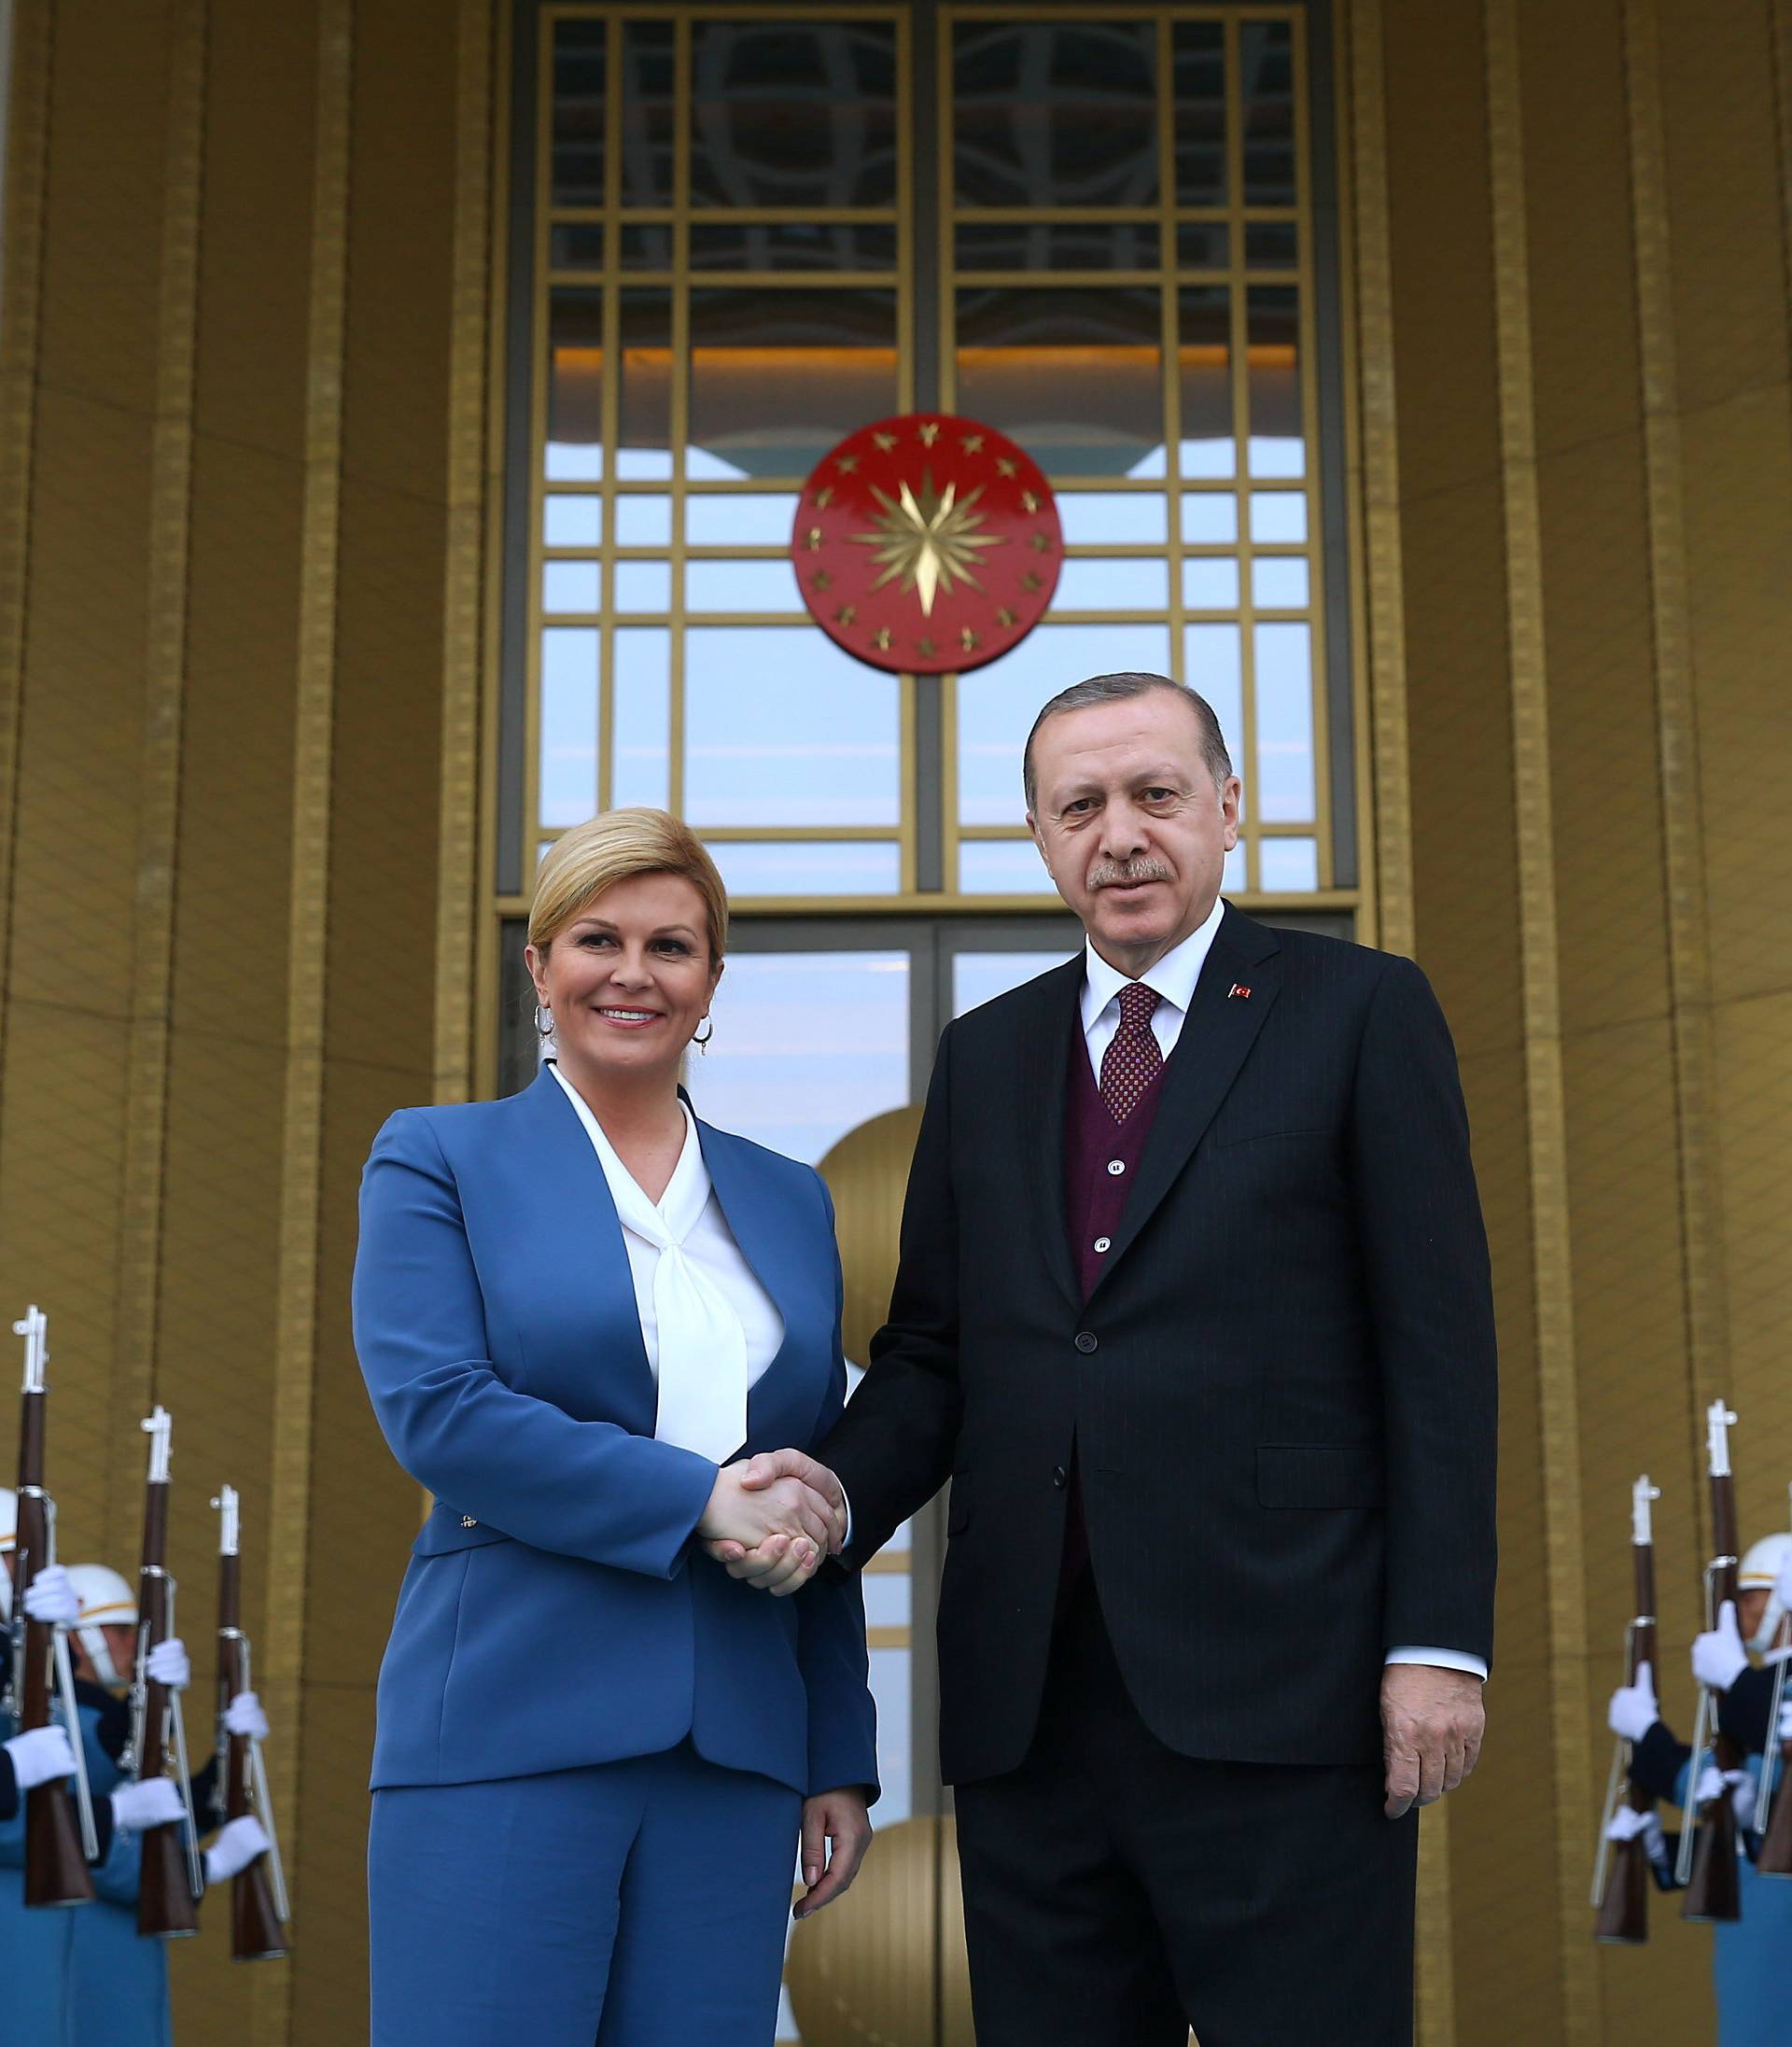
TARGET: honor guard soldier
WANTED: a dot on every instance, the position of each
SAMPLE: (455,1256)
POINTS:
(1748,1953)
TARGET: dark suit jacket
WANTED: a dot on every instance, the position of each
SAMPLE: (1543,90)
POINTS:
(1279,1396)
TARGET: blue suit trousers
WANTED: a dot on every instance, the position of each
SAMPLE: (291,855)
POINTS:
(640,1903)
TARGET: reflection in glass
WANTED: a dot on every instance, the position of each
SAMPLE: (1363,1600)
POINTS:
(568,761)
(642,521)
(807,1046)
(793,113)
(647,247)
(1074,376)
(1210,582)
(1279,517)
(1114,517)
(569,586)
(579,247)
(1285,705)
(575,450)
(1202,245)
(1214,667)
(572,522)
(1288,866)
(1279,582)
(644,401)
(1055,114)
(791,244)
(1205,380)
(741,586)
(642,586)
(1210,518)
(647,114)
(779,377)
(979,977)
(1199,87)
(809,866)
(1271,245)
(740,519)
(1107,584)
(1266,90)
(997,705)
(782,727)
(640,660)
(1276,446)
(1003,867)
(1042,245)
(579,58)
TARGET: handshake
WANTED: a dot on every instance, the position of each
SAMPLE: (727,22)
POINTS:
(772,1519)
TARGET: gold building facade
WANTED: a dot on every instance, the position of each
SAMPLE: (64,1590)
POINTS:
(277,372)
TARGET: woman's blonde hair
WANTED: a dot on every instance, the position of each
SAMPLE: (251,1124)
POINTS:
(616,846)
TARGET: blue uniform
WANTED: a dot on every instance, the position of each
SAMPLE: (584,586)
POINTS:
(562,1820)
(79,1976)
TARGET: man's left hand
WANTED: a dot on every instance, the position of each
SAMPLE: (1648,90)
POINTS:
(1431,1724)
(838,1817)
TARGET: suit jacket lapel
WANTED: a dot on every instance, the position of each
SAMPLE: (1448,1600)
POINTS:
(1216,1038)
(1049,1028)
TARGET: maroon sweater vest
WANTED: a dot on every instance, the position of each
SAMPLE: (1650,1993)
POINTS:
(1101,1163)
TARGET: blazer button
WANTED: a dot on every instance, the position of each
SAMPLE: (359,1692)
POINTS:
(467,1520)
(1060,1477)
(1085,1341)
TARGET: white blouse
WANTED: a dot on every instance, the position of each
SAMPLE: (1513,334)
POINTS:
(713,1375)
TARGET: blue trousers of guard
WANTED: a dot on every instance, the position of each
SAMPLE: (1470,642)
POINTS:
(640,1903)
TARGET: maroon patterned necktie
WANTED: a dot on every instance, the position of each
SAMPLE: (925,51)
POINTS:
(1133,1059)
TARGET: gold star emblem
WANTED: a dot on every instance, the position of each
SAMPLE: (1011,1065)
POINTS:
(885,441)
(972,443)
(1030,582)
(881,638)
(929,432)
(1006,617)
(822,580)
(846,464)
(846,614)
(930,541)
(1039,543)
(968,640)
(824,498)
(812,539)
(925,649)
(1027,501)
(1004,467)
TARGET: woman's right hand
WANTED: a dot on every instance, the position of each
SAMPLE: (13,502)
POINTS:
(788,1507)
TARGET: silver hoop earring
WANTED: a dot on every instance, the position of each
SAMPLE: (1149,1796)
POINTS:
(703,1043)
(543,1022)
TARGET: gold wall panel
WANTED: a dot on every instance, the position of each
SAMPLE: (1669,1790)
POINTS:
(867,1174)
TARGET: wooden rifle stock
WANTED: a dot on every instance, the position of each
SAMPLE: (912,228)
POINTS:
(257,1931)
(1623,1909)
(166,1906)
(56,1870)
(1714,1890)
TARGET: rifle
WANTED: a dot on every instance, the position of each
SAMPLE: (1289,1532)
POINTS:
(258,1907)
(1774,1820)
(56,1855)
(1622,1873)
(171,1880)
(1707,1859)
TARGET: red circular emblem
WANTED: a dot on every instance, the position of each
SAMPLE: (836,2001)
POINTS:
(926,544)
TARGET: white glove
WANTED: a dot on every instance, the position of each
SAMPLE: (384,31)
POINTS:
(153,1803)
(239,1842)
(1785,1719)
(1627,1823)
(167,1664)
(1713,1783)
(1719,1657)
(244,1715)
(39,1755)
(1633,1711)
(50,1597)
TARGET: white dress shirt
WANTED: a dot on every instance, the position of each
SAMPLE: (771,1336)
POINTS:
(1172,979)
(707,1244)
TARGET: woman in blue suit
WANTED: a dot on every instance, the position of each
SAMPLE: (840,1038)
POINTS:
(578,1310)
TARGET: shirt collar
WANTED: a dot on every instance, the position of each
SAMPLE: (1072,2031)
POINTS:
(1172,978)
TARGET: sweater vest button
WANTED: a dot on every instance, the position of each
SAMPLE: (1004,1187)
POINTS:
(1117,1166)
(1085,1341)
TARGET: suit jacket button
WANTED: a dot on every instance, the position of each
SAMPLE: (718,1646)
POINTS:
(467,1520)
(1085,1341)
(1060,1477)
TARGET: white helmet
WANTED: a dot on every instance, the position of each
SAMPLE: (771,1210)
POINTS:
(106,1601)
(8,1539)
(1759,1572)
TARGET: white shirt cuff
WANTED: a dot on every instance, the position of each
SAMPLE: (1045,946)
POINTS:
(847,1541)
(1440,1658)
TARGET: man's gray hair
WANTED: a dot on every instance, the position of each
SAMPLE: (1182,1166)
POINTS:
(1115,688)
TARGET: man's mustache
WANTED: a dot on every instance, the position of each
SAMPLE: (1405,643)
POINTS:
(1108,874)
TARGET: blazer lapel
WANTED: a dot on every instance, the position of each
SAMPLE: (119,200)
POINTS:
(1216,1038)
(1049,1028)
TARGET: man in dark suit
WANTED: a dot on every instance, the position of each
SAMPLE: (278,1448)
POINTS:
(1193,1311)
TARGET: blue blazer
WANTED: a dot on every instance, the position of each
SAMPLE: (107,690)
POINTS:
(558,1610)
